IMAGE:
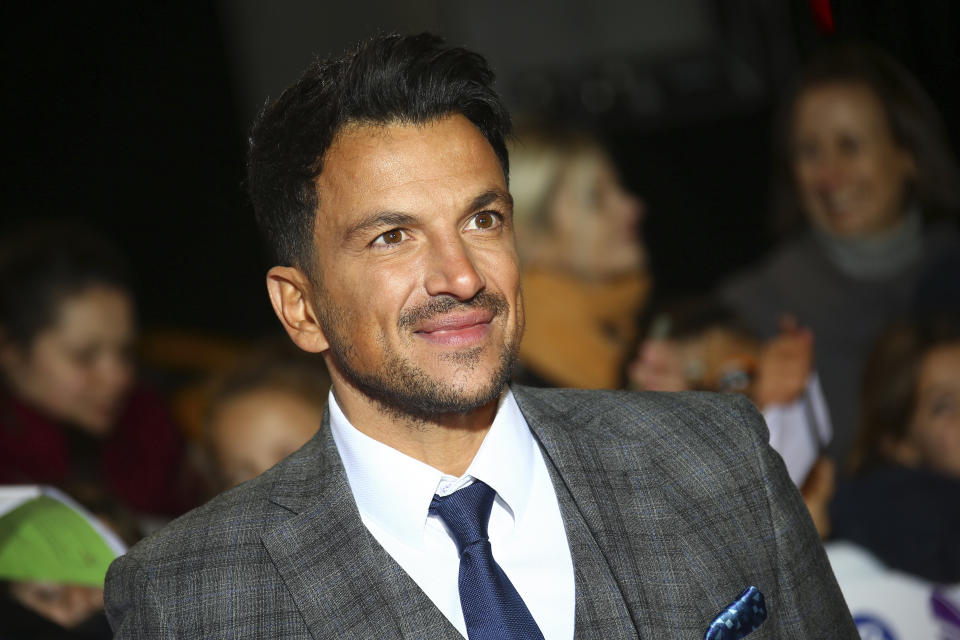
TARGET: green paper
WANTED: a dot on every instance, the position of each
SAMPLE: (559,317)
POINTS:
(44,539)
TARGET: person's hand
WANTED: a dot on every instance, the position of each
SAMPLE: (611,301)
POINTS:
(784,365)
(817,491)
(658,367)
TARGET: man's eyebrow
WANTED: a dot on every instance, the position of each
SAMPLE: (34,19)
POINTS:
(389,219)
(379,220)
(489,197)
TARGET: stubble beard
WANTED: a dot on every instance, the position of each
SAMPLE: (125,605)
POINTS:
(405,390)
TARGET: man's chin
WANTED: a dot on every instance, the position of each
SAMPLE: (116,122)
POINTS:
(405,389)
(432,399)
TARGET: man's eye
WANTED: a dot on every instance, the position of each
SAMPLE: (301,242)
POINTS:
(485,220)
(394,236)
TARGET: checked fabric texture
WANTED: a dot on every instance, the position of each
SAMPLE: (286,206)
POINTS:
(673,503)
(492,608)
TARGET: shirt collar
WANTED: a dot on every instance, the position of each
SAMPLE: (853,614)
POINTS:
(395,490)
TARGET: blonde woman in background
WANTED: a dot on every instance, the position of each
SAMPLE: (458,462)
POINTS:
(584,265)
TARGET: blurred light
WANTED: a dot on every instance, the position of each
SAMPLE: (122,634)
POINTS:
(823,15)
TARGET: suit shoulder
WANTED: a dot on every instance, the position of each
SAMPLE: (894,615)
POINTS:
(632,414)
(234,517)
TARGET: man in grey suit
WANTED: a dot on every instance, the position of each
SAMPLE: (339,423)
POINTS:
(435,501)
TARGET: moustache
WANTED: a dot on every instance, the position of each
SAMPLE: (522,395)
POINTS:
(496,303)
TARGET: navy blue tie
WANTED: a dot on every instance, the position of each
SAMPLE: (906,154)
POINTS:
(492,608)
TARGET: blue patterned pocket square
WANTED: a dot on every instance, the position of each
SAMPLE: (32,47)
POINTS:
(741,616)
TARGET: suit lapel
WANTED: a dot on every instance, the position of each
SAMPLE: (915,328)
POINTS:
(344,583)
(673,573)
(600,611)
(600,538)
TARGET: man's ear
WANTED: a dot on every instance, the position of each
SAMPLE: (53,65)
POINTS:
(291,295)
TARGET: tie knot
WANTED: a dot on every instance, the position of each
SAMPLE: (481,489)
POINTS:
(466,513)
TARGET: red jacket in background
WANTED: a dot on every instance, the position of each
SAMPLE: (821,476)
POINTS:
(140,463)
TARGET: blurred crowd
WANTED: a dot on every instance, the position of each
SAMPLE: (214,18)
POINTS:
(846,336)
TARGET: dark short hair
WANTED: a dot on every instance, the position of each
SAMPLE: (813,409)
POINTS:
(915,124)
(43,264)
(690,317)
(386,79)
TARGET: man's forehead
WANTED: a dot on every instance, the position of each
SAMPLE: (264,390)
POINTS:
(368,157)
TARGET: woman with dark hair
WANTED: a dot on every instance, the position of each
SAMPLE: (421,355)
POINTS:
(903,502)
(71,414)
(864,159)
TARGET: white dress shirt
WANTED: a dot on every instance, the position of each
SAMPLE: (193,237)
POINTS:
(393,493)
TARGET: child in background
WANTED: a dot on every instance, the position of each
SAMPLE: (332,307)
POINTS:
(700,344)
(902,502)
(262,411)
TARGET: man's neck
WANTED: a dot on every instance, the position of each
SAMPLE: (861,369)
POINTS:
(447,442)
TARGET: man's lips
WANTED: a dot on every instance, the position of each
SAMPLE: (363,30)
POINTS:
(456,329)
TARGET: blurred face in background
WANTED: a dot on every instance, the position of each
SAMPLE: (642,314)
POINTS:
(933,439)
(850,174)
(717,360)
(252,431)
(595,220)
(79,369)
(660,365)
(65,604)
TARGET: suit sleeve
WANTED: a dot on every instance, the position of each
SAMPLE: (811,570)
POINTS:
(132,607)
(808,602)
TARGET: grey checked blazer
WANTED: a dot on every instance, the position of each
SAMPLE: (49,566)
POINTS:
(673,505)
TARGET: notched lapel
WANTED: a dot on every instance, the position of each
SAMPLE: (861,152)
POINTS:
(667,579)
(343,582)
(600,610)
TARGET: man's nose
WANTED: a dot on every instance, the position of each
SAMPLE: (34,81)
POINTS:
(451,271)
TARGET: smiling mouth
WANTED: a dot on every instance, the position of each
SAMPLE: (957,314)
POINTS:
(456,330)
(839,203)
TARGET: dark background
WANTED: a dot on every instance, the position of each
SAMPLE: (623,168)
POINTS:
(134,116)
